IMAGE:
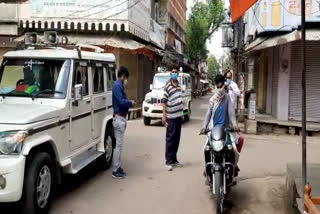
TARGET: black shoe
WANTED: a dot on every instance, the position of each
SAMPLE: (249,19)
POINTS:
(118,175)
(122,171)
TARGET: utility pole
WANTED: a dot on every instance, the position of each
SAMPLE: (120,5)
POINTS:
(303,82)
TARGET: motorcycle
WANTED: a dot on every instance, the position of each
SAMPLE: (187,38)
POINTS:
(221,156)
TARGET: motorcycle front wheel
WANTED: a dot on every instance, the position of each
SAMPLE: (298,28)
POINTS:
(219,192)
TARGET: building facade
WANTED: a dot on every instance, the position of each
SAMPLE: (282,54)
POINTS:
(273,59)
(125,28)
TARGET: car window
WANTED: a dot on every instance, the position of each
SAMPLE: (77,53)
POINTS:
(39,78)
(81,77)
(111,77)
(98,78)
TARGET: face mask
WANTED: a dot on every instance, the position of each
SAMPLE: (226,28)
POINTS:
(125,82)
(229,82)
(174,76)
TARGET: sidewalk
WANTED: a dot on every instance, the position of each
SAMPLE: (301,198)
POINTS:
(294,186)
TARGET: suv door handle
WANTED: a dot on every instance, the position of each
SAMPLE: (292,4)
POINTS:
(103,98)
(88,101)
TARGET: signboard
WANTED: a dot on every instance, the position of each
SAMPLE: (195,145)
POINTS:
(137,11)
(140,13)
(86,9)
(284,15)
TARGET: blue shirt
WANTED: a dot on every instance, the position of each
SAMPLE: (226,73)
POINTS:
(221,116)
(120,102)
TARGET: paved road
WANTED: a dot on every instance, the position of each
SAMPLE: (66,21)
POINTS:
(149,188)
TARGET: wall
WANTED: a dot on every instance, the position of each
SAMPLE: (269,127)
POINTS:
(275,82)
(3,51)
(131,62)
(270,81)
(145,77)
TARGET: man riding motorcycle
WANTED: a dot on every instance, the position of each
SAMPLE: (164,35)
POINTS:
(221,112)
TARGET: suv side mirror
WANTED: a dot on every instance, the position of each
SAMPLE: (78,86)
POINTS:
(151,86)
(77,94)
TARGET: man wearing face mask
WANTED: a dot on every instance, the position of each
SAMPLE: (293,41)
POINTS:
(171,118)
(233,89)
(221,111)
(121,106)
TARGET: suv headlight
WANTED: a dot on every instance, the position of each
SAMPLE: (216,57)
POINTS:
(148,100)
(11,142)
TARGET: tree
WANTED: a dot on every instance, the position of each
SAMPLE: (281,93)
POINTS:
(213,67)
(204,20)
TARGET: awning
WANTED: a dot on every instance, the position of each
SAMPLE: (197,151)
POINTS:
(268,42)
(112,41)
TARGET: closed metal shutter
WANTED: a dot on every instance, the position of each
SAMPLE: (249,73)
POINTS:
(312,80)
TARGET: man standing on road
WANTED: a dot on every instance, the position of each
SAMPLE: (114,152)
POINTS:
(233,89)
(121,105)
(171,118)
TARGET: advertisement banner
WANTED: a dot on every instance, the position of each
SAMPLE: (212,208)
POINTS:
(284,15)
(82,9)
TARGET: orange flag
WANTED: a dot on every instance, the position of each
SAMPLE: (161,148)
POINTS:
(239,7)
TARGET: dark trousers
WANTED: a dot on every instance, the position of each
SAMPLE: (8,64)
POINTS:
(172,139)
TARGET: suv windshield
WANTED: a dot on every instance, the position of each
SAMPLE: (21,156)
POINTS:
(160,81)
(37,78)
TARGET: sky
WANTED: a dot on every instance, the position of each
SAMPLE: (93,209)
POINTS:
(214,44)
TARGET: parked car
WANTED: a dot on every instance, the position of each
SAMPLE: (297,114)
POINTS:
(152,105)
(56,117)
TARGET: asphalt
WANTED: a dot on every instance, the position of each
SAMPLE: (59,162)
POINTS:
(150,188)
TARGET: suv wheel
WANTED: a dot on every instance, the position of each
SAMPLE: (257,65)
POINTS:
(147,121)
(104,162)
(38,183)
(187,116)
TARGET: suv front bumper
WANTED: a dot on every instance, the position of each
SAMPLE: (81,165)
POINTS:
(152,111)
(12,171)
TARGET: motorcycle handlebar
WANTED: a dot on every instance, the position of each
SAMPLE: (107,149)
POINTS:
(227,129)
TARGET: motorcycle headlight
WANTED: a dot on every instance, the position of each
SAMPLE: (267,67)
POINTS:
(12,142)
(217,145)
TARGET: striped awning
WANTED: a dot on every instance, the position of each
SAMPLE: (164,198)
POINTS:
(85,25)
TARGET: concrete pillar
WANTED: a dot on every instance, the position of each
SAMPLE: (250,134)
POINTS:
(284,82)
(250,73)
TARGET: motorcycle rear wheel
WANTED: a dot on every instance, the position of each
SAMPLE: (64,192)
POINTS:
(219,191)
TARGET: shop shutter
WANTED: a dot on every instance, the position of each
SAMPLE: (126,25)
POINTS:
(312,80)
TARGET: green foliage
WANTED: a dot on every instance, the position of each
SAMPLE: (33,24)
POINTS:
(213,67)
(204,20)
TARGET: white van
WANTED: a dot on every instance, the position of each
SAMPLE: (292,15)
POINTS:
(55,117)
(152,105)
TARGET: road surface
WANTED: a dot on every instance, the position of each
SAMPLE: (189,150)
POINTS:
(150,188)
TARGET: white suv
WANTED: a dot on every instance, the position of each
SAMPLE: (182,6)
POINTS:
(56,117)
(152,105)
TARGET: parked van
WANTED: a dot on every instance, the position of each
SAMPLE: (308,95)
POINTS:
(55,117)
(152,105)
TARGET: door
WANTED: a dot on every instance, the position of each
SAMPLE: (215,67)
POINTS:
(99,99)
(81,111)
(111,78)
